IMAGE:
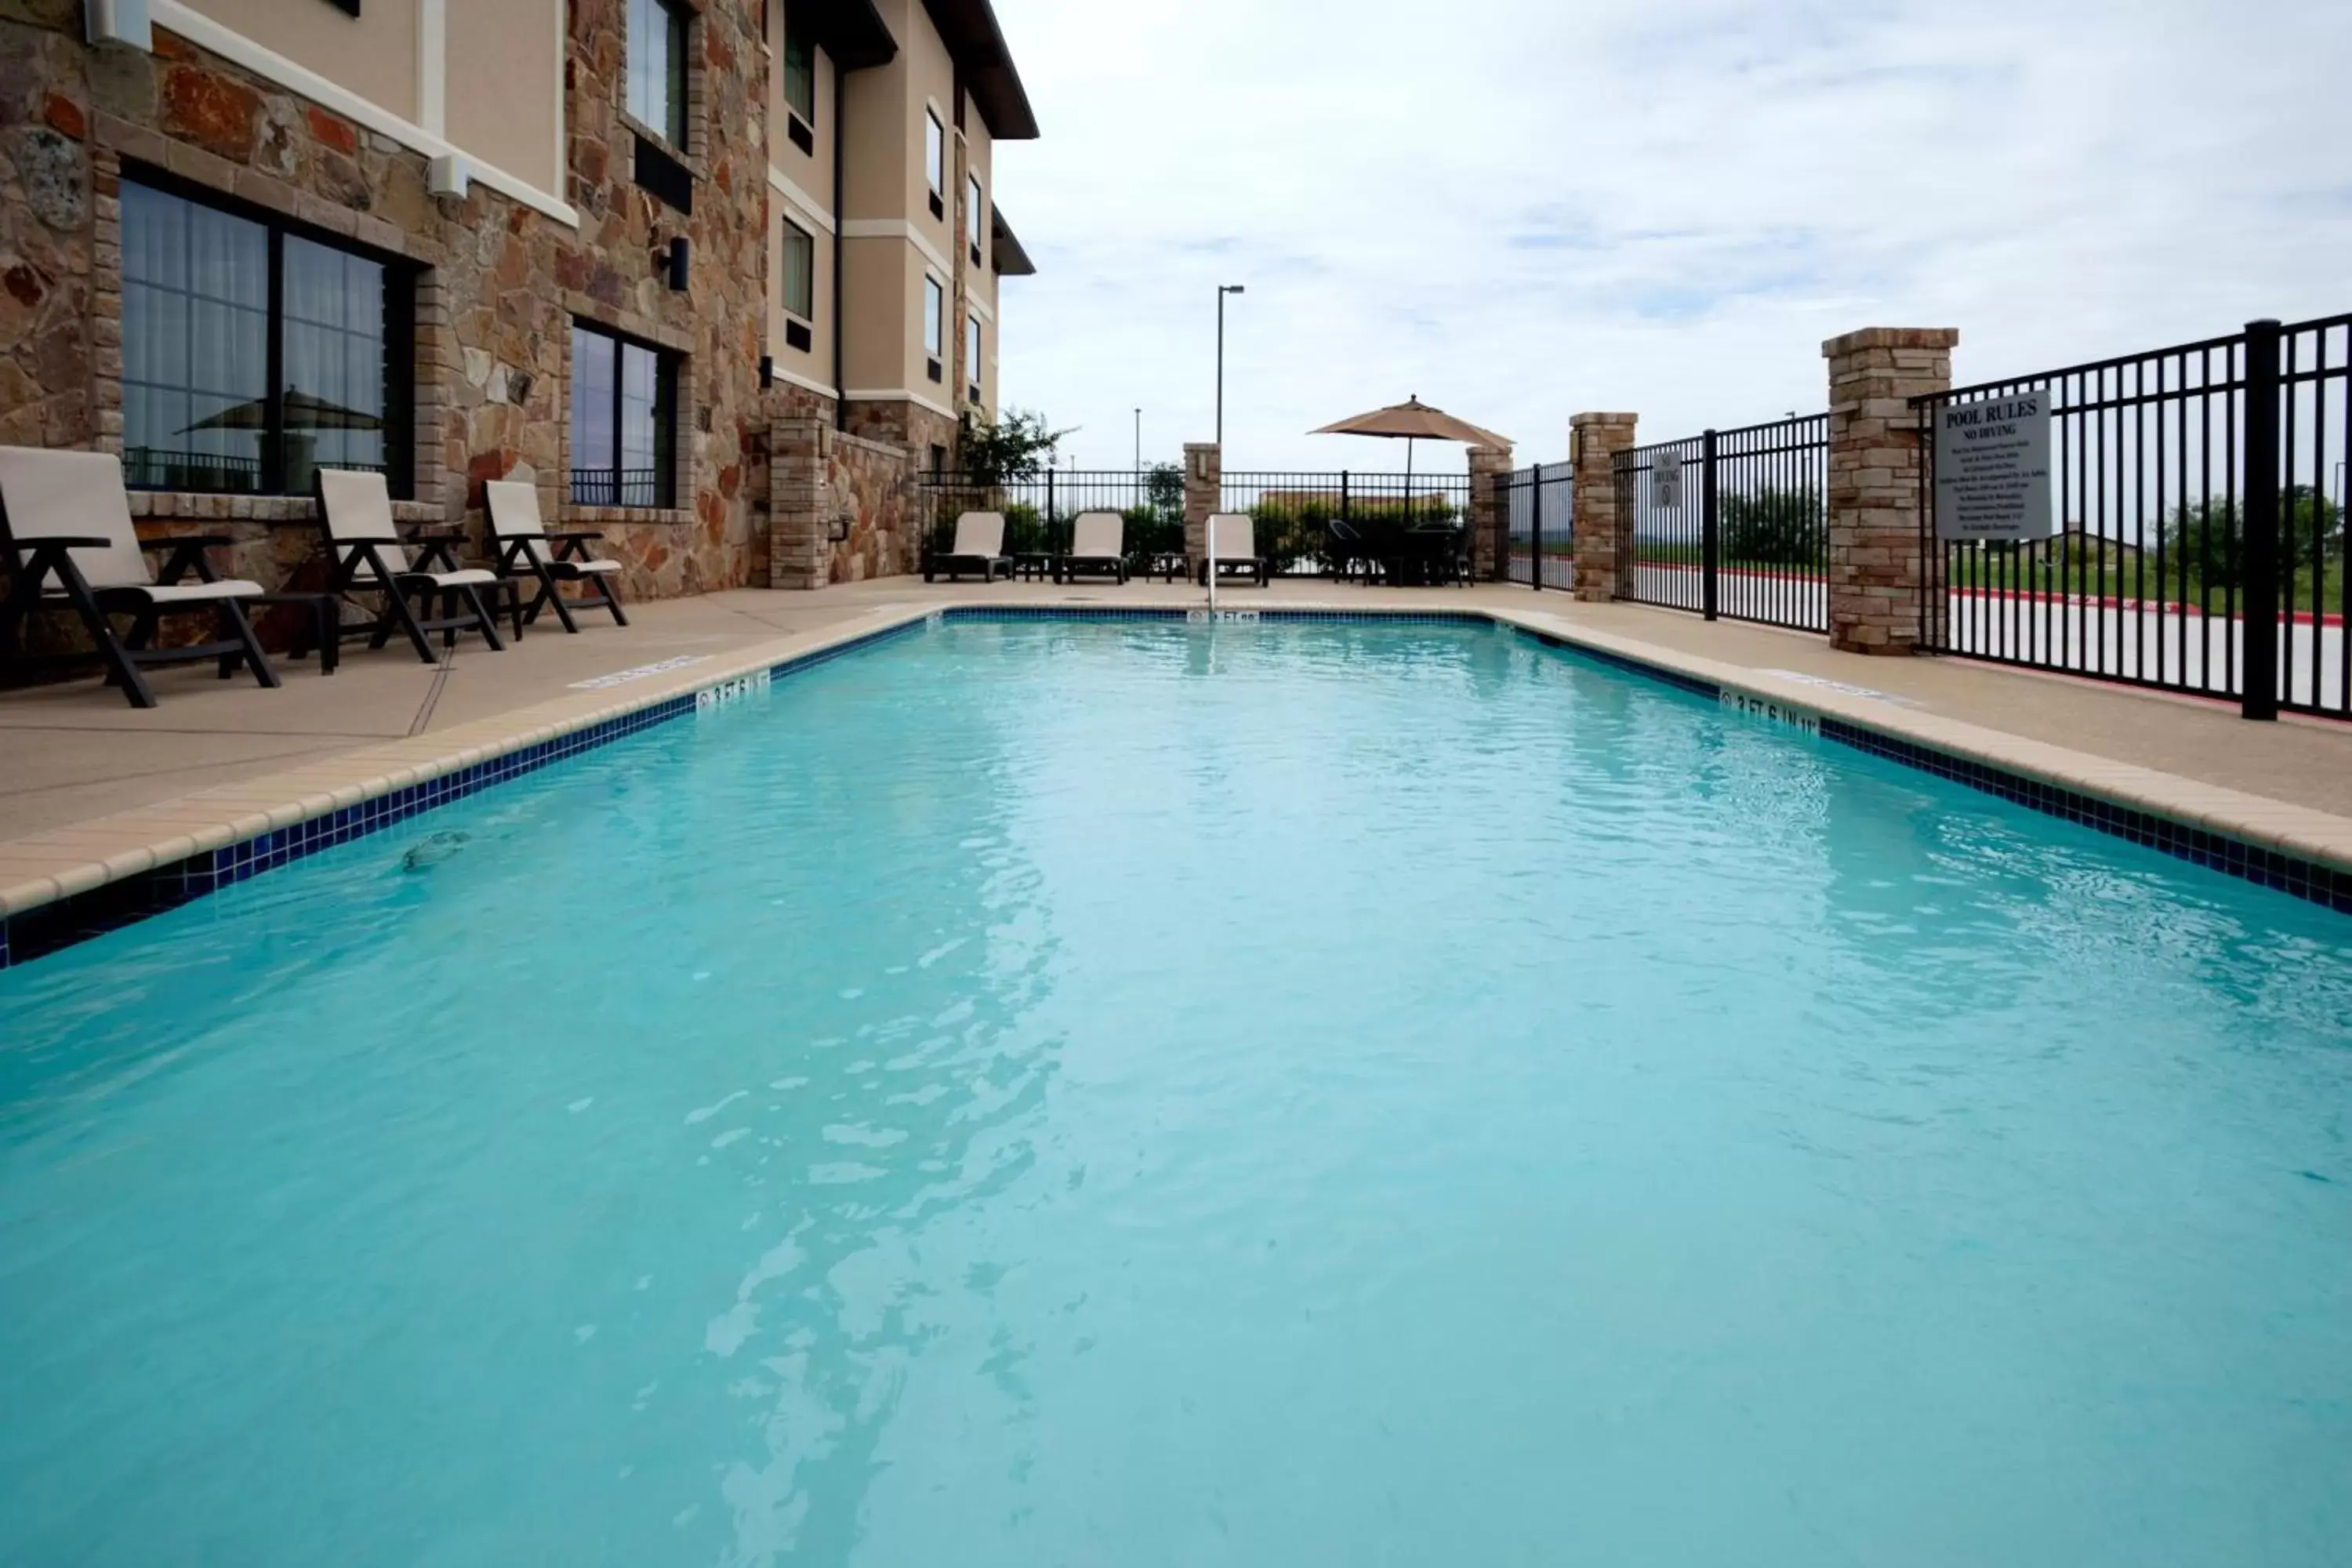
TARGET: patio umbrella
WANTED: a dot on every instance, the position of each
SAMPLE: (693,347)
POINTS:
(1413,420)
(303,412)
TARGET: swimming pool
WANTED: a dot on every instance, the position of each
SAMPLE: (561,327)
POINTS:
(1124,1092)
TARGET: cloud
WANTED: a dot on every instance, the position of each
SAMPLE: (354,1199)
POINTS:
(1522,209)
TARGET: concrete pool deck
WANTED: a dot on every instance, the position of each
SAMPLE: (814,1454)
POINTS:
(92,790)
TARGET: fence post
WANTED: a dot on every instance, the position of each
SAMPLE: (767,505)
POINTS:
(1535,527)
(1204,472)
(1711,548)
(2258,673)
(1489,467)
(1877,571)
(1603,554)
(1045,523)
(1343,495)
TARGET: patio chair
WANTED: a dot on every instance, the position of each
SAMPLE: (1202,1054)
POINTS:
(979,547)
(1097,548)
(1345,553)
(367,555)
(66,516)
(1233,539)
(523,543)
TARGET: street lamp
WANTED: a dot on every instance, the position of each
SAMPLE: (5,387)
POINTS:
(1222,289)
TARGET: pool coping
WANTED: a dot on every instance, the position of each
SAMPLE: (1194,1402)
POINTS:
(64,886)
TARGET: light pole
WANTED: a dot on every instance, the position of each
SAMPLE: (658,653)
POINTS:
(1222,289)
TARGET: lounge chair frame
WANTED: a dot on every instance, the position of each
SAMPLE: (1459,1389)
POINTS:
(570,563)
(956,563)
(38,560)
(1071,566)
(357,566)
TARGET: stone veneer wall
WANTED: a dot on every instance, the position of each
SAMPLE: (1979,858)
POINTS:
(498,283)
(1489,466)
(1603,549)
(1876,472)
(819,477)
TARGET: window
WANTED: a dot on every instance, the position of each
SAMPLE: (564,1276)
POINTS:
(211,302)
(800,271)
(657,68)
(972,356)
(934,323)
(972,213)
(935,162)
(799,68)
(624,421)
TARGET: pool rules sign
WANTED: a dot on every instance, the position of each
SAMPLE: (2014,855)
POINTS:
(1992,469)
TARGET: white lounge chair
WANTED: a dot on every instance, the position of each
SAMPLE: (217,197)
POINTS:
(66,516)
(1233,539)
(523,544)
(369,556)
(1097,548)
(979,547)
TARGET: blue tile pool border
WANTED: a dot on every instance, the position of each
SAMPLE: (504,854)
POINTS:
(63,923)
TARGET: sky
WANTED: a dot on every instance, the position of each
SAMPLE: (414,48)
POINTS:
(1518,209)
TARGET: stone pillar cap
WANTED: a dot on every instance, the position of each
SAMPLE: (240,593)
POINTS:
(1892,338)
(1603,418)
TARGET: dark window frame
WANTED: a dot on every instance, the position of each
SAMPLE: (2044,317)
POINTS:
(678,21)
(400,278)
(784,285)
(796,35)
(669,370)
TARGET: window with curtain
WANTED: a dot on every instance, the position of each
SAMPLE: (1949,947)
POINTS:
(624,421)
(656,67)
(800,271)
(212,299)
(972,213)
(972,356)
(800,69)
(934,308)
(935,154)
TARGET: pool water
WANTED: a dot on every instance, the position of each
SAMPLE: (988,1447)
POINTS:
(1125,1093)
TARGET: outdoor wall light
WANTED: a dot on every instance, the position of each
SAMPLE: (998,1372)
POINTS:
(119,22)
(680,262)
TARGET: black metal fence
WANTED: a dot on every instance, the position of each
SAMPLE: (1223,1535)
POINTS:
(1401,528)
(1539,526)
(1040,511)
(2197,494)
(1731,522)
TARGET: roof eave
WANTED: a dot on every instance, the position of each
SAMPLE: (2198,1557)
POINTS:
(854,33)
(970,29)
(1012,261)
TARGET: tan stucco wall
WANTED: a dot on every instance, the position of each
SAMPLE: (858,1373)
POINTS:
(816,361)
(812,171)
(880,327)
(504,98)
(372,55)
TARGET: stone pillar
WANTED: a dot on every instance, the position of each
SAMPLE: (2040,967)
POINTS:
(1488,467)
(800,499)
(1204,470)
(1876,468)
(1603,550)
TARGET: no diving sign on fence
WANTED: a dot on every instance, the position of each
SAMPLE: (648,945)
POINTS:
(1992,469)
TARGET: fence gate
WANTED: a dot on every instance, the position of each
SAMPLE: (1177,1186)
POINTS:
(1731,522)
(1538,524)
(2199,502)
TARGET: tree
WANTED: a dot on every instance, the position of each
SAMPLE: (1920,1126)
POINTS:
(1015,448)
(1163,490)
(2206,536)
(1774,526)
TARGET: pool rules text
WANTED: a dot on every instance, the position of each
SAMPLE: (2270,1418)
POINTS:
(1992,469)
